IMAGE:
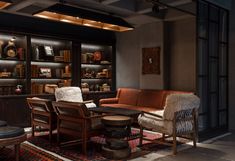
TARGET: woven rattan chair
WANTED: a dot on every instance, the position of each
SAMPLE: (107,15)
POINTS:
(178,119)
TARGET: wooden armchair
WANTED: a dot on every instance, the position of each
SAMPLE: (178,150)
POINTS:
(42,114)
(178,119)
(74,119)
(72,94)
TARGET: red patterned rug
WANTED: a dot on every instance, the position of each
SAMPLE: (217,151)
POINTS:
(30,153)
(94,147)
(27,153)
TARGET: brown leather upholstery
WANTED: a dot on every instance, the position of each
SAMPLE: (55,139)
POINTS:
(150,98)
(73,119)
(142,100)
(42,114)
(128,96)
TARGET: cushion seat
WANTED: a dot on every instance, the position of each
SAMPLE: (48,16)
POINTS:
(3,123)
(10,131)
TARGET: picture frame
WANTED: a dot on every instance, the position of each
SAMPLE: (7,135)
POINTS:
(151,60)
(48,50)
(45,72)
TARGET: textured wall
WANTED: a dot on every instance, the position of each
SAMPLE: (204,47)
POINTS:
(129,56)
(232,69)
(182,37)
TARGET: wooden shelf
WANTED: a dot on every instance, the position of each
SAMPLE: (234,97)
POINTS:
(14,60)
(96,78)
(50,78)
(95,64)
(11,78)
(46,61)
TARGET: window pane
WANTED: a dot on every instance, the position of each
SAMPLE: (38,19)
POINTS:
(202,122)
(223,60)
(223,118)
(223,25)
(203,94)
(214,13)
(223,93)
(203,57)
(213,79)
(213,110)
(213,39)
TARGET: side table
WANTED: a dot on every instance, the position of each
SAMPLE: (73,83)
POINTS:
(116,129)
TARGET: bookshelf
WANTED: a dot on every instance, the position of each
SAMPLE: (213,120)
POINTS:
(96,67)
(50,64)
(12,64)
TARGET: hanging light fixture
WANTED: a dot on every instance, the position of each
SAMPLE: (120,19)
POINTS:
(78,16)
(4,3)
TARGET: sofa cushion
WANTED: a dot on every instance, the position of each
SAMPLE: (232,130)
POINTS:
(150,98)
(128,96)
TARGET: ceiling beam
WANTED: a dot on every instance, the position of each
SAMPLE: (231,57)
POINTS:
(24,3)
(107,2)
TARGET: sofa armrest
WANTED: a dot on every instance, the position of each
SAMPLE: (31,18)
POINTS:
(108,101)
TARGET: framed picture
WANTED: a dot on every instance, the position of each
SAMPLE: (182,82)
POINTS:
(45,72)
(48,50)
(151,60)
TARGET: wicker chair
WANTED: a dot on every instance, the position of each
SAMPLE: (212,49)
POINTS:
(74,119)
(42,114)
(178,119)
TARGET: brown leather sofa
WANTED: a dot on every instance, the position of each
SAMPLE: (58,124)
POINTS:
(139,99)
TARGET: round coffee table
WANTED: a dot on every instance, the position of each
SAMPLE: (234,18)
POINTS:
(116,129)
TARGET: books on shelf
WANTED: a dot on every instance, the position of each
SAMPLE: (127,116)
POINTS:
(65,56)
(34,71)
(37,88)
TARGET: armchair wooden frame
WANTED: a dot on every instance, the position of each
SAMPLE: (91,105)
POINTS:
(188,115)
(81,117)
(42,108)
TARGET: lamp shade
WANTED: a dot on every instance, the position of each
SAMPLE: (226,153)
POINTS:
(84,17)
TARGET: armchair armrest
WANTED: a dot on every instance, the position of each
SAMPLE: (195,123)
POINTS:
(88,101)
(108,101)
(152,114)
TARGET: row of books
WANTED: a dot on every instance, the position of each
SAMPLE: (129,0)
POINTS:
(65,56)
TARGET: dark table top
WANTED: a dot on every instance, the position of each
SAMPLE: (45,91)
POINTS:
(117,111)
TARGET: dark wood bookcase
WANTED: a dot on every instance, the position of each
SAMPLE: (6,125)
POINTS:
(52,53)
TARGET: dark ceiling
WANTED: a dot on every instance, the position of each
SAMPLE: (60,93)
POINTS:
(136,12)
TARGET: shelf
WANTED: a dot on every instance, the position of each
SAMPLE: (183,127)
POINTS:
(12,78)
(45,61)
(95,64)
(96,78)
(51,78)
(11,60)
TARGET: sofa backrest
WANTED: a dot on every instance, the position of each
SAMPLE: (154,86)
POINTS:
(128,96)
(150,98)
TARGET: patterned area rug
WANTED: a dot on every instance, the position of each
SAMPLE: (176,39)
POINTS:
(94,147)
(27,153)
(37,149)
